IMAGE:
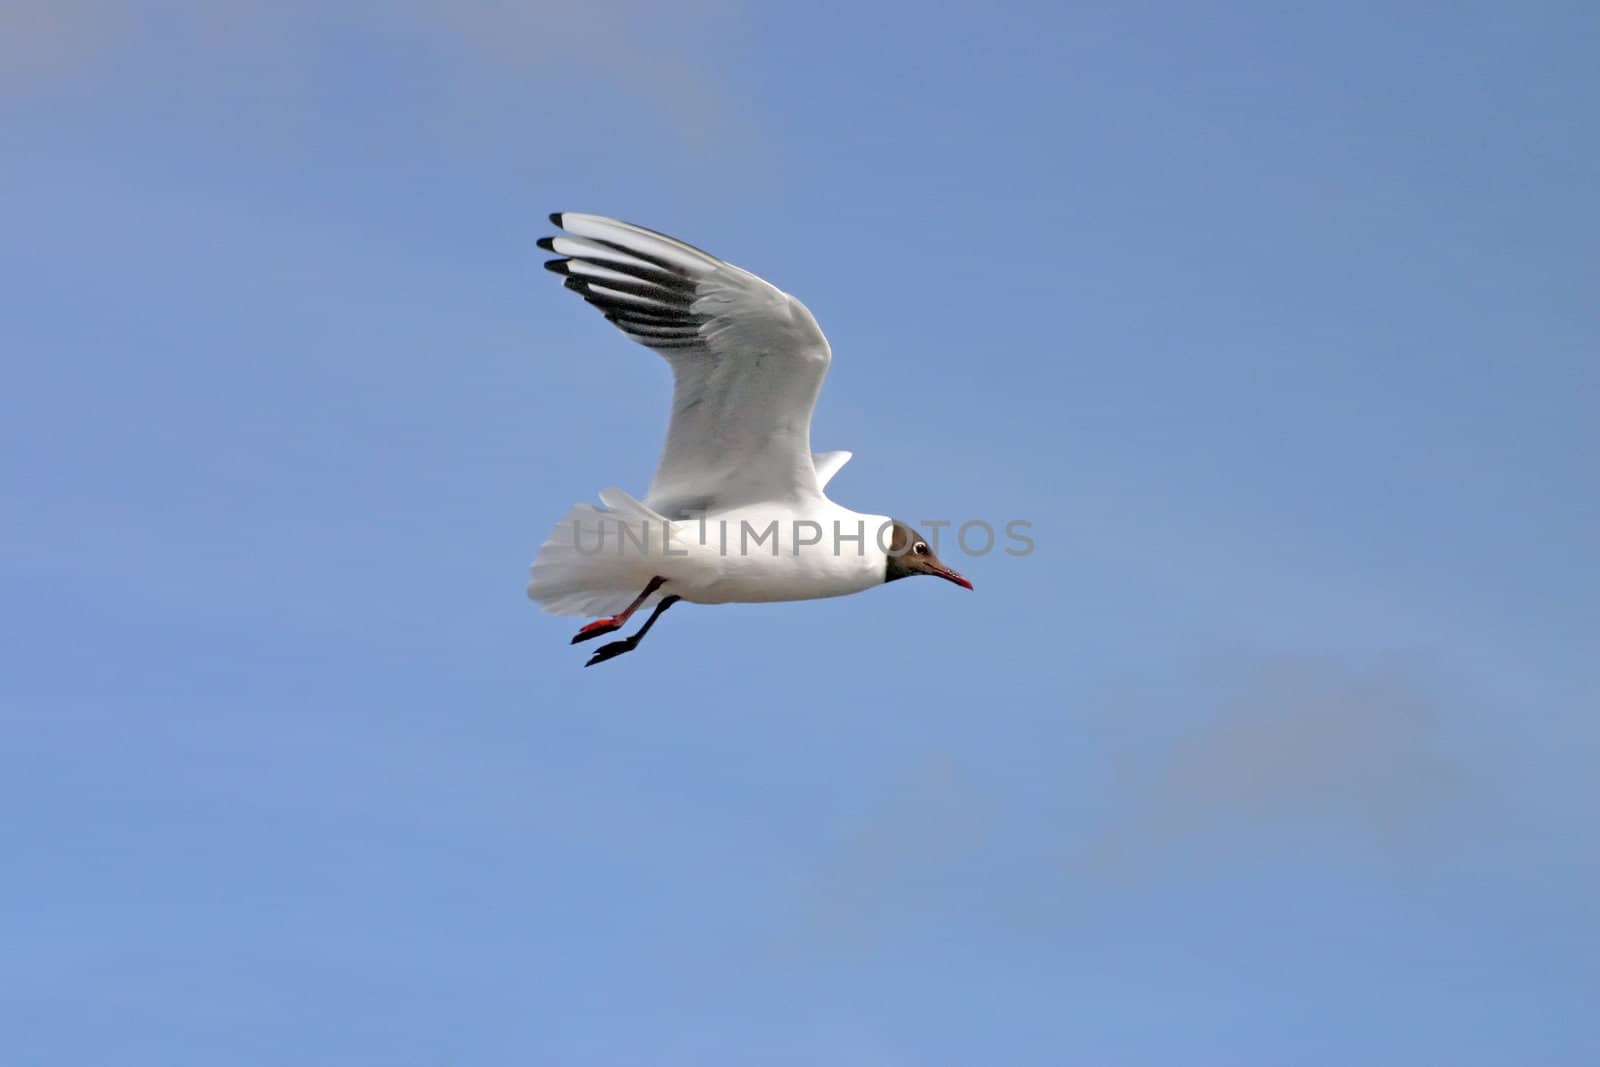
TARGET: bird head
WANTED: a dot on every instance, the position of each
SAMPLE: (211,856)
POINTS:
(910,554)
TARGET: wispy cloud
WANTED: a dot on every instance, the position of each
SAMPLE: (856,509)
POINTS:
(1267,762)
(46,39)
(1288,753)
(664,60)
(664,57)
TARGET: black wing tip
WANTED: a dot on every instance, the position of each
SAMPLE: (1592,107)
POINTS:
(558,266)
(546,243)
(555,217)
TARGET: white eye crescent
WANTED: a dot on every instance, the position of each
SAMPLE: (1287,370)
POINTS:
(920,548)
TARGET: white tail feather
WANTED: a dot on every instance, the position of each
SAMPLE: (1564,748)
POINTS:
(580,569)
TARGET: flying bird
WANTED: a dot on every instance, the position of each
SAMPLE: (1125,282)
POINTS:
(736,512)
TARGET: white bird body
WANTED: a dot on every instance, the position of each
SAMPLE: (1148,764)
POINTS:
(804,561)
(596,560)
(736,511)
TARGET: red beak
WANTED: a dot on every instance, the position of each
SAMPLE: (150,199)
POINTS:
(951,576)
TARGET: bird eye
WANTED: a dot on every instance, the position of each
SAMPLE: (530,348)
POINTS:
(920,548)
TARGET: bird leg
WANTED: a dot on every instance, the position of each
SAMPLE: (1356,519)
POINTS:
(628,644)
(617,622)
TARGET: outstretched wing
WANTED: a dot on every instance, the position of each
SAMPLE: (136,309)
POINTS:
(747,361)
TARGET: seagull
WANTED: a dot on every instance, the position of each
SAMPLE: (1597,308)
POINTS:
(736,512)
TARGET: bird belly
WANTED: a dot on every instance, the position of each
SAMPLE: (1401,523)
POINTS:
(745,560)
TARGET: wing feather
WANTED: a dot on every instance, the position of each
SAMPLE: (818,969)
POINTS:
(748,361)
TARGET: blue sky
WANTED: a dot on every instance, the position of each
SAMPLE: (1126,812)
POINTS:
(1278,326)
